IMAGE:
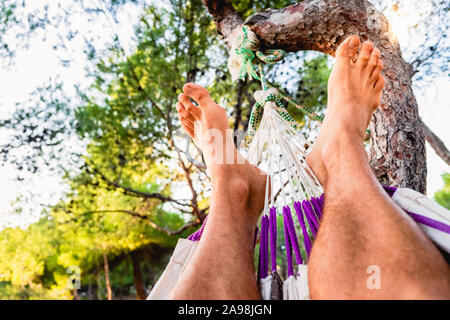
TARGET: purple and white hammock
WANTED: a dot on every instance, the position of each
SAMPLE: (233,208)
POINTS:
(432,218)
(280,151)
(278,148)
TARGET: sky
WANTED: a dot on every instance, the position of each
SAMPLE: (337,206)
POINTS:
(35,65)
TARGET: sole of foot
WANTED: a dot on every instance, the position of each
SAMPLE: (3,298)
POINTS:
(207,124)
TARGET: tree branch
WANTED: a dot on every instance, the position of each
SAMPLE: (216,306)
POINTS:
(194,202)
(436,143)
(224,16)
(147,219)
(397,145)
(198,164)
(141,194)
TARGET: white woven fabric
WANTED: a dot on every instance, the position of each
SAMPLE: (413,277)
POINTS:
(180,258)
(296,287)
(266,285)
(416,202)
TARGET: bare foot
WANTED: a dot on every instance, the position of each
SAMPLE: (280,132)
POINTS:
(208,127)
(354,91)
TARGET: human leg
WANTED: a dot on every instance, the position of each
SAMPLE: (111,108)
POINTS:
(361,226)
(222,266)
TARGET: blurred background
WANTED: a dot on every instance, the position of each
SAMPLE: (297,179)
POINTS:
(97,182)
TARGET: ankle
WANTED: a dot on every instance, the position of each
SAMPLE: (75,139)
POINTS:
(347,122)
(228,178)
(343,131)
(343,150)
(234,188)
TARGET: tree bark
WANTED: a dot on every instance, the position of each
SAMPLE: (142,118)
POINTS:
(141,294)
(108,284)
(397,152)
(224,16)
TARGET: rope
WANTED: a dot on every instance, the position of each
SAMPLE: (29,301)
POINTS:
(249,53)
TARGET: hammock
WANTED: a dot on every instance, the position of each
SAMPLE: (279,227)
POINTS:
(432,218)
(279,149)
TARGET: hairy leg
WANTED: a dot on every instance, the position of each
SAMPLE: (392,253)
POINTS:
(222,265)
(361,225)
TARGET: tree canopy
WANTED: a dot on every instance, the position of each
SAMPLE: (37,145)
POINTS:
(134,182)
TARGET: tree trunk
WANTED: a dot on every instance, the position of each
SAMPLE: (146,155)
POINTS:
(99,284)
(108,284)
(90,296)
(141,294)
(397,152)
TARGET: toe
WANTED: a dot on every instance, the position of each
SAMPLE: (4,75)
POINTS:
(379,84)
(373,61)
(364,54)
(348,48)
(182,112)
(186,124)
(186,117)
(189,130)
(198,93)
(189,106)
(180,108)
(377,71)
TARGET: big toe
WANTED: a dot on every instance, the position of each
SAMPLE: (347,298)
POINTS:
(348,48)
(198,93)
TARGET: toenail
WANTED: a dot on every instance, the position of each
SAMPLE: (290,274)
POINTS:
(193,101)
(354,43)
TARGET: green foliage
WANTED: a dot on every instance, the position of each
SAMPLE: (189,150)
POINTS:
(131,178)
(41,125)
(312,89)
(443,196)
(131,181)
